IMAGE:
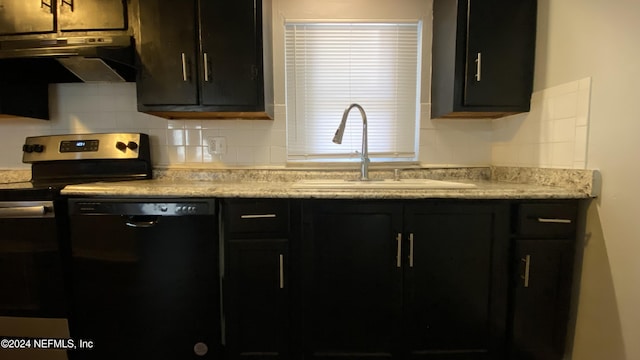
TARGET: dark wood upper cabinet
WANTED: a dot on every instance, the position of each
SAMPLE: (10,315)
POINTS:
(27,17)
(76,15)
(198,58)
(24,17)
(483,57)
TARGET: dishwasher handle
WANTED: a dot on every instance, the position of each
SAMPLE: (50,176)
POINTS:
(141,221)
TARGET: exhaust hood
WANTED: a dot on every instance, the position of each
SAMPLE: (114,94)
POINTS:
(88,58)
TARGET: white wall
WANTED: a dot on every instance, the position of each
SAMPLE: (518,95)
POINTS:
(598,39)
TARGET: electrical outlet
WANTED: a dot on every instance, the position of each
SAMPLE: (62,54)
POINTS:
(217,145)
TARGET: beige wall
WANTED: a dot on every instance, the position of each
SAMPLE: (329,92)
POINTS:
(598,39)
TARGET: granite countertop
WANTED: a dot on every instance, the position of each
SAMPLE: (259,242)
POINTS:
(490,183)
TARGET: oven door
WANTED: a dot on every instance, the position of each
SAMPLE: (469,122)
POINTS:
(32,301)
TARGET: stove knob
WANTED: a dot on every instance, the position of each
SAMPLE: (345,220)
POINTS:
(121,146)
(27,148)
(38,148)
(132,145)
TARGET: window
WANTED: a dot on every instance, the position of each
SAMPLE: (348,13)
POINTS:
(332,65)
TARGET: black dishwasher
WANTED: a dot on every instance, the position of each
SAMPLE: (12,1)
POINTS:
(144,279)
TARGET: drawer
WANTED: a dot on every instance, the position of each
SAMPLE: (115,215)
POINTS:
(269,217)
(555,220)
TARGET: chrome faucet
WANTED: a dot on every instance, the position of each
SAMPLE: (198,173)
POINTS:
(364,155)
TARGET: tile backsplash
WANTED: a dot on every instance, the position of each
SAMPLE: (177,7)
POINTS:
(554,134)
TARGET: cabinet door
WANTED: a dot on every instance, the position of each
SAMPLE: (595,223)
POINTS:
(231,36)
(351,281)
(167,53)
(92,15)
(500,47)
(541,298)
(453,288)
(256,299)
(27,16)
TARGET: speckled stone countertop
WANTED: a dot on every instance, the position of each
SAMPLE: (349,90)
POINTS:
(490,183)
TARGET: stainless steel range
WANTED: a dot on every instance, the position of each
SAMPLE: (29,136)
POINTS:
(33,228)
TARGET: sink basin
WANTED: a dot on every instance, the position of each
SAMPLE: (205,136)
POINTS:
(334,184)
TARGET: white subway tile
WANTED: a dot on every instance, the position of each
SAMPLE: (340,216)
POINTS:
(177,154)
(175,124)
(246,155)
(278,155)
(194,154)
(560,89)
(193,137)
(261,155)
(580,145)
(563,130)
(175,138)
(564,106)
(562,155)
(193,124)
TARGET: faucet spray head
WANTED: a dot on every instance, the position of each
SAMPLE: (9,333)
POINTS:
(337,138)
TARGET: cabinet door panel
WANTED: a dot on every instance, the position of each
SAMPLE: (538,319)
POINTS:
(542,304)
(351,282)
(26,16)
(167,52)
(256,299)
(229,41)
(497,31)
(449,284)
(92,15)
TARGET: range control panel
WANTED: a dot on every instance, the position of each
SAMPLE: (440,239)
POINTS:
(85,146)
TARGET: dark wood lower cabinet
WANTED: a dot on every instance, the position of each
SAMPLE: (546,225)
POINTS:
(256,299)
(454,298)
(397,279)
(541,298)
(391,280)
(350,282)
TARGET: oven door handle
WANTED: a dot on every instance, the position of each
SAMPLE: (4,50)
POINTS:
(23,212)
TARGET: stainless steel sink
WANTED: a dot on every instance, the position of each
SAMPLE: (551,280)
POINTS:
(334,184)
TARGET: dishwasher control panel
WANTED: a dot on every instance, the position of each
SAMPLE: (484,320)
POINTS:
(144,207)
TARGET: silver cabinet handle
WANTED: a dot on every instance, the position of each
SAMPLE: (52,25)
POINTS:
(411,250)
(281,271)
(184,67)
(206,67)
(554,221)
(478,66)
(258,216)
(399,250)
(527,268)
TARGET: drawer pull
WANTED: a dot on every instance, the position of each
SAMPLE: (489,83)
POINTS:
(258,216)
(527,269)
(554,221)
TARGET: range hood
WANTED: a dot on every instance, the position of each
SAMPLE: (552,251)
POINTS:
(87,58)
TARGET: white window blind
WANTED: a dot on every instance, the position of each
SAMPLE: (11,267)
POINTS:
(332,65)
